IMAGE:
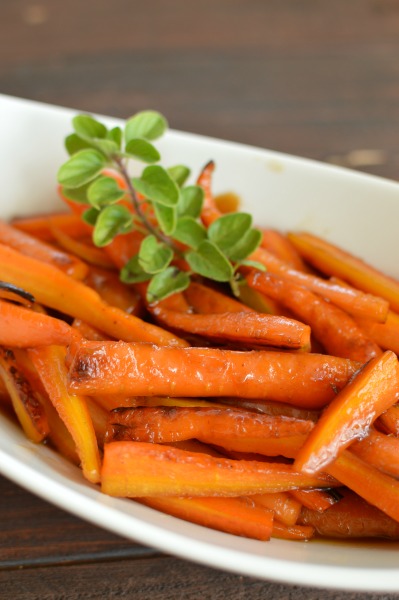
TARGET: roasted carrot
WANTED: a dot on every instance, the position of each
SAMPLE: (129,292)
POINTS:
(292,532)
(250,328)
(87,252)
(109,286)
(26,402)
(351,517)
(210,212)
(208,300)
(279,245)
(24,328)
(49,362)
(334,328)
(137,469)
(319,500)
(351,413)
(334,261)
(379,450)
(388,422)
(304,379)
(53,288)
(41,226)
(238,516)
(385,334)
(31,246)
(285,508)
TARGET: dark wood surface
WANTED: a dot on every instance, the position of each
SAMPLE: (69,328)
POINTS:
(309,77)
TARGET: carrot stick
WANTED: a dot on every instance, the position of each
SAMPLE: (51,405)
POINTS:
(232,429)
(108,285)
(279,245)
(285,508)
(207,300)
(292,532)
(53,288)
(83,250)
(303,379)
(240,327)
(137,469)
(351,413)
(318,500)
(50,364)
(209,212)
(25,401)
(385,334)
(334,328)
(24,328)
(369,483)
(351,517)
(40,226)
(379,450)
(237,516)
(389,420)
(27,244)
(332,260)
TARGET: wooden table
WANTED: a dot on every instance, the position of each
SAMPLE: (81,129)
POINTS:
(314,78)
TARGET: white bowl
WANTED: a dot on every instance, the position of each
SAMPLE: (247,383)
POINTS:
(357,211)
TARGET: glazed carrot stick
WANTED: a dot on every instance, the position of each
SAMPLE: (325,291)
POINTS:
(303,379)
(109,286)
(26,403)
(332,260)
(209,212)
(318,500)
(232,429)
(41,226)
(27,244)
(379,450)
(292,532)
(351,413)
(285,508)
(333,327)
(351,517)
(207,300)
(53,288)
(240,327)
(279,245)
(369,483)
(231,515)
(24,328)
(389,420)
(385,334)
(82,249)
(137,469)
(49,361)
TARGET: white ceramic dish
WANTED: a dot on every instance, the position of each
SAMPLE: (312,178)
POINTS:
(358,211)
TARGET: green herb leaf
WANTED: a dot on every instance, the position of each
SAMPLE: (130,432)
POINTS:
(245,245)
(76,194)
(108,147)
(88,128)
(90,216)
(115,135)
(253,263)
(142,150)
(227,229)
(133,272)
(73,143)
(154,257)
(157,185)
(111,221)
(210,262)
(191,201)
(189,232)
(104,191)
(166,217)
(149,125)
(180,174)
(167,283)
(81,168)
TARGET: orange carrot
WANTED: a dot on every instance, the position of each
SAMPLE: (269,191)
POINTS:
(208,300)
(303,379)
(389,420)
(318,500)
(137,469)
(53,288)
(385,334)
(31,246)
(351,517)
(209,212)
(285,508)
(332,260)
(239,327)
(40,226)
(351,413)
(379,450)
(24,328)
(50,364)
(237,516)
(82,249)
(292,532)
(111,289)
(334,328)
(279,245)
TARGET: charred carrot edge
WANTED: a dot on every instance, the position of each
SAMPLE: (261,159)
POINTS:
(285,508)
(53,288)
(351,413)
(231,515)
(26,403)
(379,450)
(351,517)
(303,379)
(332,260)
(207,300)
(369,483)
(50,364)
(334,328)
(40,226)
(33,247)
(239,327)
(318,500)
(24,328)
(137,469)
(87,252)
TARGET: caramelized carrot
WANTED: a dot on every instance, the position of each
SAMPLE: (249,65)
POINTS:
(318,500)
(85,251)
(111,289)
(389,420)
(53,288)
(24,328)
(379,450)
(332,260)
(41,226)
(385,334)
(279,245)
(238,516)
(31,246)
(207,300)
(303,379)
(333,327)
(292,532)
(137,469)
(285,508)
(351,413)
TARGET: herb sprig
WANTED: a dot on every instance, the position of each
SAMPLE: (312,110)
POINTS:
(162,207)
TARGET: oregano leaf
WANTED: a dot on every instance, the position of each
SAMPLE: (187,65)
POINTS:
(154,257)
(191,201)
(244,246)
(179,173)
(170,281)
(157,185)
(81,168)
(133,272)
(229,228)
(104,191)
(166,217)
(88,128)
(111,221)
(142,150)
(73,143)
(208,260)
(190,232)
(148,124)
